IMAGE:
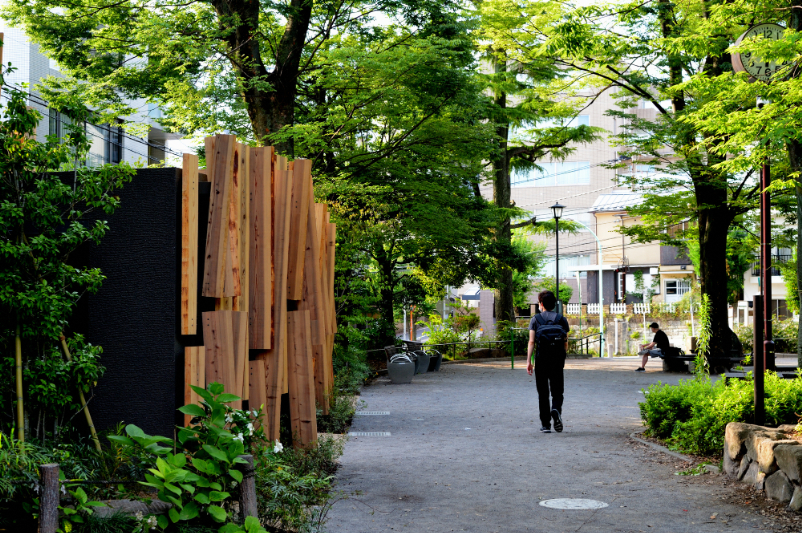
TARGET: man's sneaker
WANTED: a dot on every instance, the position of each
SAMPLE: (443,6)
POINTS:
(558,420)
(641,369)
(545,429)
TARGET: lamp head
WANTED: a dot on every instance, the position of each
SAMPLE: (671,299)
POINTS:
(557,209)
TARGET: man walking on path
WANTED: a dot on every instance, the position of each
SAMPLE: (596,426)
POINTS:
(550,331)
(657,348)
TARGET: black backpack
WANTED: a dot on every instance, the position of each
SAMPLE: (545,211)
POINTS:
(549,334)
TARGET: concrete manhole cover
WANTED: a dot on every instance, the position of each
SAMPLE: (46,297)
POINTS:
(573,503)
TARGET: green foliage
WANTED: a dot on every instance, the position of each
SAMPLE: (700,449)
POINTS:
(692,415)
(741,249)
(566,291)
(524,276)
(442,331)
(201,481)
(342,405)
(44,218)
(704,337)
(788,271)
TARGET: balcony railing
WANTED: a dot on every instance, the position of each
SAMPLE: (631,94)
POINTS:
(776,259)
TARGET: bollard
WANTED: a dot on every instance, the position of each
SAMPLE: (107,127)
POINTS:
(247,501)
(48,498)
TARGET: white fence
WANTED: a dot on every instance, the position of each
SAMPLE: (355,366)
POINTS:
(593,309)
(618,309)
(640,309)
(573,309)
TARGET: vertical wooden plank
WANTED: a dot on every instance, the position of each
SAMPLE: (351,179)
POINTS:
(217,236)
(242,301)
(232,274)
(301,382)
(194,374)
(261,249)
(275,358)
(313,302)
(218,339)
(301,193)
(320,220)
(257,394)
(331,245)
(239,328)
(189,245)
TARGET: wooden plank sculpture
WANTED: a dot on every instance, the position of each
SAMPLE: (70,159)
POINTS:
(267,242)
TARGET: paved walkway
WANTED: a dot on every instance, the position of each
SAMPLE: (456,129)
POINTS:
(465,454)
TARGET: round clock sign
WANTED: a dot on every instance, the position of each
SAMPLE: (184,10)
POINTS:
(756,67)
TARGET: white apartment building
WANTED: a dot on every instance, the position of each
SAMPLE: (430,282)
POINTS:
(110,144)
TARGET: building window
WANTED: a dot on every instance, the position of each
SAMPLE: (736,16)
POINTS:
(675,288)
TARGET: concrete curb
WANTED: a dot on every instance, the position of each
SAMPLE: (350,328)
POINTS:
(634,436)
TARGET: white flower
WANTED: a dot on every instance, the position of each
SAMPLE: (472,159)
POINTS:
(239,437)
(139,516)
(153,522)
(255,412)
(277,447)
(229,419)
(250,428)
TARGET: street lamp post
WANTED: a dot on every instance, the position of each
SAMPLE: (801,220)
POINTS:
(557,210)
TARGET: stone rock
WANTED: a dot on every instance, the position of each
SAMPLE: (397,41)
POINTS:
(765,454)
(789,459)
(730,467)
(735,436)
(754,476)
(759,437)
(778,487)
(745,462)
(787,428)
(796,500)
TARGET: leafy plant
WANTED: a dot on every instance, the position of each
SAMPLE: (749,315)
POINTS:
(703,340)
(200,480)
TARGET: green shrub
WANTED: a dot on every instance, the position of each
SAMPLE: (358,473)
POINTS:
(692,415)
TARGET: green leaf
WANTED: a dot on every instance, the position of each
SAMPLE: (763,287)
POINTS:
(202,498)
(217,513)
(216,388)
(228,398)
(215,486)
(189,488)
(120,439)
(163,522)
(217,496)
(134,431)
(172,488)
(252,525)
(189,511)
(215,452)
(203,393)
(179,460)
(230,528)
(192,410)
(236,474)
(174,516)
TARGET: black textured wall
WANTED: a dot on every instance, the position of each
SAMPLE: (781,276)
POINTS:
(134,316)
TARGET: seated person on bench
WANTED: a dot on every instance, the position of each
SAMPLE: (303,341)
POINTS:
(656,348)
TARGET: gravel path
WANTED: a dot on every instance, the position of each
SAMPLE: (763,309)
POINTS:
(465,454)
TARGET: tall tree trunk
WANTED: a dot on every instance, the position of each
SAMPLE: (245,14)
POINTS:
(501,197)
(387,309)
(269,96)
(795,157)
(714,225)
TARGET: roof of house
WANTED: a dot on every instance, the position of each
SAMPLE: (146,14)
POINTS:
(616,201)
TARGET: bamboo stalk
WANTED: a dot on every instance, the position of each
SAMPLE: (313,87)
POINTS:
(20,410)
(81,395)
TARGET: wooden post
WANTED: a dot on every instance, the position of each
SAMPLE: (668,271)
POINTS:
(257,396)
(241,301)
(247,499)
(217,235)
(301,206)
(194,374)
(261,249)
(301,379)
(189,245)
(275,358)
(49,498)
(225,338)
(758,360)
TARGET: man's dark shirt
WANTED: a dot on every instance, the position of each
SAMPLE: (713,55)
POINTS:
(661,340)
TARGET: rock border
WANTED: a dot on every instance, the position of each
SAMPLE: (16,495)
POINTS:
(766,458)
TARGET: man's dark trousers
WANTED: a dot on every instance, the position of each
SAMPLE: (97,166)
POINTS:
(549,378)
